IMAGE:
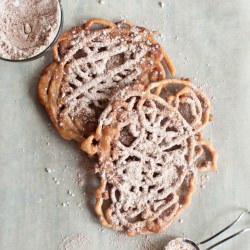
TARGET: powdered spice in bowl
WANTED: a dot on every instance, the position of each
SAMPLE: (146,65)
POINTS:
(28,28)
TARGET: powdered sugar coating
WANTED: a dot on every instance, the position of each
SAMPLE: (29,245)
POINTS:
(106,64)
(148,157)
(91,66)
(147,163)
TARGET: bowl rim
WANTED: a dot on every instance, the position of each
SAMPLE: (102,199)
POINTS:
(46,49)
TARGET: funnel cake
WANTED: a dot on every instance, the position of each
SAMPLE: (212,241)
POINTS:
(149,151)
(90,64)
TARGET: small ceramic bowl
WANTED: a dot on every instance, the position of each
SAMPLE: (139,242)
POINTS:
(48,48)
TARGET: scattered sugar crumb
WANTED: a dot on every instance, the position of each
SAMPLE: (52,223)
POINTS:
(161,4)
(204,86)
(74,242)
(71,194)
(48,170)
(101,2)
(202,180)
(123,18)
(56,180)
(139,243)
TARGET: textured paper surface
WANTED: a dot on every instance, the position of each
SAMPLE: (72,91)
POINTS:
(207,40)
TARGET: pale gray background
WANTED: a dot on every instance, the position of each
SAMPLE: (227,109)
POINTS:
(208,40)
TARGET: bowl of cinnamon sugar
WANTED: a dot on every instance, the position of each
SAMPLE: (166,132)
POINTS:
(28,28)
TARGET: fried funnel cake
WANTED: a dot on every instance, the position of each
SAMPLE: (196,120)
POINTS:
(90,63)
(149,153)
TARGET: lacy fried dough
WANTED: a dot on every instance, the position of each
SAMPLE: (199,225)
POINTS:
(194,106)
(90,63)
(149,153)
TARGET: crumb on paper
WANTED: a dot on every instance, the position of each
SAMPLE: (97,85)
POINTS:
(181,221)
(161,4)
(48,170)
(203,179)
(74,241)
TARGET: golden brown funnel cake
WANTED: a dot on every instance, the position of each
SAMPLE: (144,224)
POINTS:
(149,152)
(90,63)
